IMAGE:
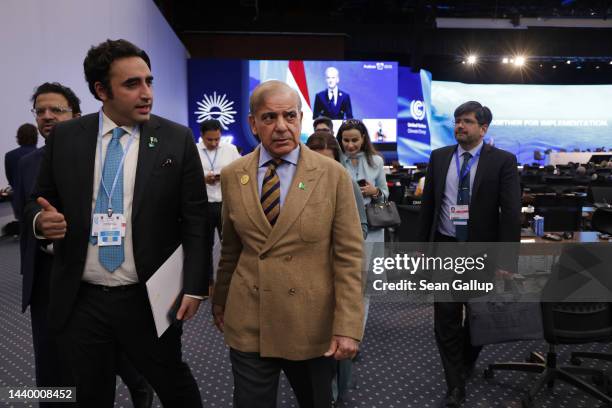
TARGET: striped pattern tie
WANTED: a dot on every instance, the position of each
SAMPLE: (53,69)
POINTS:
(270,192)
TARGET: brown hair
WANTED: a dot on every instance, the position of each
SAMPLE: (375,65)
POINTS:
(321,140)
(367,147)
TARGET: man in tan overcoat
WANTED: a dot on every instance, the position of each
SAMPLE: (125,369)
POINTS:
(288,294)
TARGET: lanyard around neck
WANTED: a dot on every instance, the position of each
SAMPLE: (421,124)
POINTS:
(469,165)
(214,160)
(109,195)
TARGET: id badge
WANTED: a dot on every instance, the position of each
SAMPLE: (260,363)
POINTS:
(109,230)
(459,214)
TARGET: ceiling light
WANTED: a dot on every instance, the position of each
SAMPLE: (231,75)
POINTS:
(568,62)
(505,60)
(519,61)
(471,59)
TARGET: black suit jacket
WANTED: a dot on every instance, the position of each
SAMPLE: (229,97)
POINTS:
(28,244)
(323,106)
(495,203)
(168,209)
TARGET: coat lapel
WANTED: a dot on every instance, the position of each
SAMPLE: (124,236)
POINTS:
(304,183)
(249,190)
(446,162)
(86,162)
(483,165)
(147,156)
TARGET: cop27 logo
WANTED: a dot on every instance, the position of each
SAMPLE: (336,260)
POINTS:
(417,110)
(216,107)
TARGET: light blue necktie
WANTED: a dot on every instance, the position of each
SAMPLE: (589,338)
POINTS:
(111,257)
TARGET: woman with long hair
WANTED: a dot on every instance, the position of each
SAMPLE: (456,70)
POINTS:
(365,166)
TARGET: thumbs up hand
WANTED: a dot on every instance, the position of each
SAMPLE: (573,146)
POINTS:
(50,223)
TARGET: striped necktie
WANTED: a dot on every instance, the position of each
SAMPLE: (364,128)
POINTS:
(270,192)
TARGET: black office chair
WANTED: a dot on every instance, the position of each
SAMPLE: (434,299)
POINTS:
(565,323)
(602,222)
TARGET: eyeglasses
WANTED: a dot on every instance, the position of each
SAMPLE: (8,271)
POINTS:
(55,110)
(465,122)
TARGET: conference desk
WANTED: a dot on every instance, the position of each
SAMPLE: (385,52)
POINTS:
(579,236)
(555,158)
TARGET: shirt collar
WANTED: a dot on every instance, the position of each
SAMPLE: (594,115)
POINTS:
(108,125)
(291,157)
(461,150)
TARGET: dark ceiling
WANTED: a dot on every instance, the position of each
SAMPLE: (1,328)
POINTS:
(408,31)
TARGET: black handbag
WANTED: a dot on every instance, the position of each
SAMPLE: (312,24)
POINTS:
(382,215)
(503,317)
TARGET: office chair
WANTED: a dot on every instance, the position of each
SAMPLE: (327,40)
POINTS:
(560,321)
(565,323)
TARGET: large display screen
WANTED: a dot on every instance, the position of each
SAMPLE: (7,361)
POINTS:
(341,90)
(529,117)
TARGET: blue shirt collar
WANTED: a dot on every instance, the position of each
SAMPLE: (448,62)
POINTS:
(473,151)
(291,157)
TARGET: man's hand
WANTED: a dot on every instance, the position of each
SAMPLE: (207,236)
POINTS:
(189,307)
(50,223)
(218,311)
(210,179)
(342,348)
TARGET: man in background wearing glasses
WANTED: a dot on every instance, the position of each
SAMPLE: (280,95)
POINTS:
(52,103)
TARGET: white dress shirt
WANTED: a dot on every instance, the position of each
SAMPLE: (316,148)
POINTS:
(212,162)
(451,188)
(126,273)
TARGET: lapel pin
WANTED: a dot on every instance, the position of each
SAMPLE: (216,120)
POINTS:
(302,186)
(244,179)
(152,141)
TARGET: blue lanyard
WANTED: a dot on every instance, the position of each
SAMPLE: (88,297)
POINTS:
(214,160)
(109,195)
(469,165)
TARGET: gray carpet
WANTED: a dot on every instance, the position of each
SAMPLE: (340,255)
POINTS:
(399,365)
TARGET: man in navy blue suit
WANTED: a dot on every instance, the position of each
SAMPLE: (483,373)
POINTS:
(27,137)
(52,103)
(332,102)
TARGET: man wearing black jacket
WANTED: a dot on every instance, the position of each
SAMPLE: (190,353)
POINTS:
(476,179)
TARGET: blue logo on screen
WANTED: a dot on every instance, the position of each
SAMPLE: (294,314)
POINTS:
(417,110)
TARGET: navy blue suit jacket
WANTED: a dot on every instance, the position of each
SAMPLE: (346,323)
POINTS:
(11,161)
(323,106)
(28,244)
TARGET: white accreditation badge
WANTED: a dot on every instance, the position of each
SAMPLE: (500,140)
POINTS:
(460,214)
(109,230)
